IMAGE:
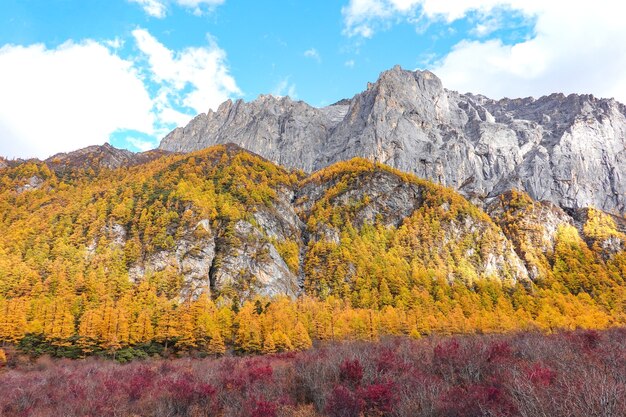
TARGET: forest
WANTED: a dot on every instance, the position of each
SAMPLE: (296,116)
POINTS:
(71,237)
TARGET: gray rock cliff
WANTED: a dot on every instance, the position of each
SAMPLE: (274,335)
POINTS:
(569,150)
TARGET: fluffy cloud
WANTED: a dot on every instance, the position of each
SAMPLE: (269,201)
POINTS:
(574,47)
(65,98)
(155,8)
(81,94)
(195,78)
(363,17)
(141,144)
(158,8)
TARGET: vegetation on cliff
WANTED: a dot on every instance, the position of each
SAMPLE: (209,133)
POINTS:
(72,238)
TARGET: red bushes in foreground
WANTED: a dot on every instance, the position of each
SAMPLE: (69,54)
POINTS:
(568,374)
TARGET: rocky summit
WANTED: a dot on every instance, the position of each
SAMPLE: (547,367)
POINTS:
(568,150)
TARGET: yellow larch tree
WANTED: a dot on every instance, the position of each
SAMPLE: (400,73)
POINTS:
(142,330)
(216,344)
(300,337)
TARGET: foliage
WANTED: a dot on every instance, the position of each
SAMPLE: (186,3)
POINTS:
(575,374)
(69,246)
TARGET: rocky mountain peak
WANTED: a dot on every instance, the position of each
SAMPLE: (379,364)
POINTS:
(105,156)
(411,89)
(397,77)
(570,150)
(97,157)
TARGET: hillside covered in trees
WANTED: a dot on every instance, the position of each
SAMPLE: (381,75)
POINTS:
(222,250)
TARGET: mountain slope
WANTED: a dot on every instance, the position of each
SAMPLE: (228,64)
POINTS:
(222,246)
(223,219)
(567,150)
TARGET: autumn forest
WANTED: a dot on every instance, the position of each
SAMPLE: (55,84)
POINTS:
(73,234)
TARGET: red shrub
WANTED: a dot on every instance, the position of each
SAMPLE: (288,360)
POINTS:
(112,385)
(575,374)
(377,399)
(476,400)
(140,382)
(262,373)
(388,361)
(447,351)
(343,403)
(186,390)
(499,351)
(351,372)
(263,409)
(590,339)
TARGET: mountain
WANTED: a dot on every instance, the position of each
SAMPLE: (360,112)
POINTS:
(569,150)
(105,250)
(99,157)
(229,222)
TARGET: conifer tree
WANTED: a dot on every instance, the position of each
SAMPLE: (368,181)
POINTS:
(268,344)
(12,320)
(186,337)
(142,331)
(89,330)
(216,345)
(386,299)
(167,326)
(248,337)
(282,341)
(300,338)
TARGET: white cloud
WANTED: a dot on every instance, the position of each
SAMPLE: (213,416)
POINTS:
(359,15)
(197,78)
(488,25)
(155,8)
(80,94)
(116,43)
(363,17)
(285,88)
(158,8)
(575,46)
(142,144)
(199,3)
(66,98)
(349,63)
(313,54)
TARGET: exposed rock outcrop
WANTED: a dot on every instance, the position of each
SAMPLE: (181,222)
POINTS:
(567,150)
(100,156)
(287,132)
(33,183)
(383,197)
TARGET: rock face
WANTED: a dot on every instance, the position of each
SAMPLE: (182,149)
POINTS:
(97,157)
(567,150)
(247,257)
(33,183)
(239,259)
(391,201)
(226,222)
(287,132)
(531,227)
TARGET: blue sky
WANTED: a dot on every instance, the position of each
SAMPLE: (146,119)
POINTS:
(75,73)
